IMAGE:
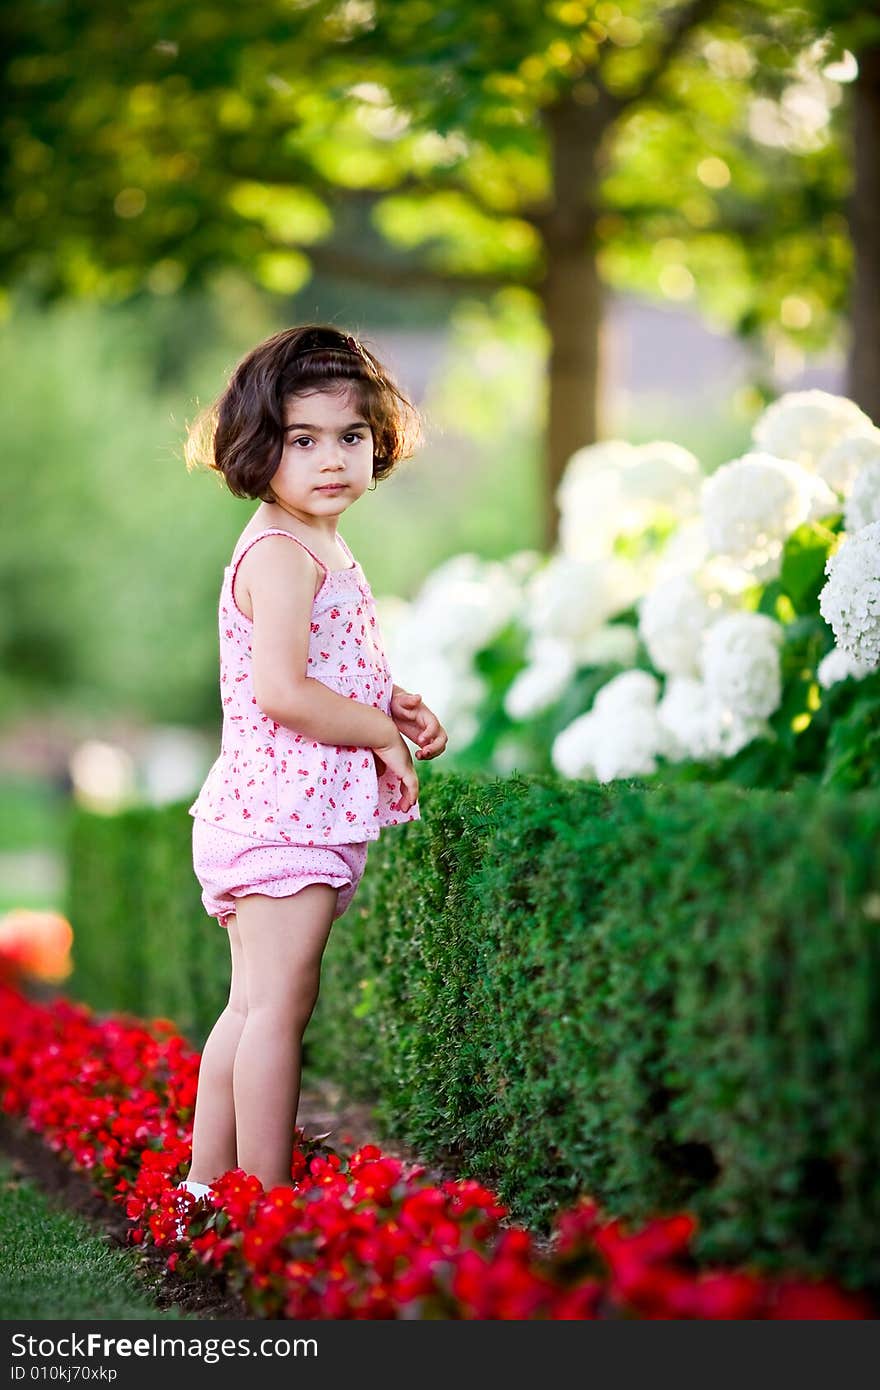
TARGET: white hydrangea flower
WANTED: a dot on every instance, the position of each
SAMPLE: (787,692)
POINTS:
(611,644)
(687,551)
(540,683)
(574,747)
(630,691)
(752,504)
(863,504)
(804,425)
(841,464)
(594,466)
(522,564)
(453,690)
(740,663)
(619,737)
(725,579)
(615,488)
(850,599)
(570,599)
(681,715)
(447,679)
(698,726)
(627,746)
(463,604)
(672,619)
(404,639)
(665,474)
(838,665)
(629,736)
(431,641)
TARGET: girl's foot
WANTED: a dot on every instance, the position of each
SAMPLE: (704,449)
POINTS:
(198,1189)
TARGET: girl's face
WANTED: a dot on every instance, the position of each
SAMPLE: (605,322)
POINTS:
(326,440)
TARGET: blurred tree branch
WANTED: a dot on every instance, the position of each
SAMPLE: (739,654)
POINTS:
(563,148)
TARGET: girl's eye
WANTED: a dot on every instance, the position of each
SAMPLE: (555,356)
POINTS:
(304,438)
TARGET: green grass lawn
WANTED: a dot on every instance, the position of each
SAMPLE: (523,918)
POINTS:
(53,1265)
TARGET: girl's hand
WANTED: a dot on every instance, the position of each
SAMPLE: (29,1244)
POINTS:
(418,723)
(395,759)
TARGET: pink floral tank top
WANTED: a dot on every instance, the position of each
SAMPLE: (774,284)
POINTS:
(279,786)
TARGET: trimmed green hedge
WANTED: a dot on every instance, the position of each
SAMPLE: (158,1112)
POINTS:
(665,997)
(143,943)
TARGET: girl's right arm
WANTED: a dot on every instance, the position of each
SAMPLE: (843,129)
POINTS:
(281,584)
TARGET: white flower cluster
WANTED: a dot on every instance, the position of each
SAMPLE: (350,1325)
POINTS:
(811,428)
(863,504)
(552,662)
(838,665)
(687,551)
(711,715)
(432,641)
(567,604)
(814,454)
(850,600)
(551,667)
(741,664)
(742,679)
(844,461)
(707,542)
(672,620)
(751,505)
(616,489)
(717,715)
(697,726)
(618,737)
(571,599)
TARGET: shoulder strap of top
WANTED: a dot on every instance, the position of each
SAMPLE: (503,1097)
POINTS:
(238,555)
(345,547)
(278,531)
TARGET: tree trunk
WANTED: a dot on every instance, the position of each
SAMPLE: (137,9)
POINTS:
(571,296)
(863,367)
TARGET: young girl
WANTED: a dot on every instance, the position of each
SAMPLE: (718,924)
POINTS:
(312,763)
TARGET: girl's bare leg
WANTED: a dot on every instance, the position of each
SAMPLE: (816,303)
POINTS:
(283,940)
(213,1145)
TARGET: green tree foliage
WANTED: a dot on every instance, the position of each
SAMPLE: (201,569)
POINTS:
(690,148)
(143,149)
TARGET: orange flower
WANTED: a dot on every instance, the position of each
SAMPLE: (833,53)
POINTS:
(35,943)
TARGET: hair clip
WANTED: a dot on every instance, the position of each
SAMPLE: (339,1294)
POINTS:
(350,345)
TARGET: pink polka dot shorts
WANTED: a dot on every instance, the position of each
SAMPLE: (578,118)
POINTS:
(229,865)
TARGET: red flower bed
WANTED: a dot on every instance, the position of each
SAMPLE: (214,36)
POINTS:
(364,1238)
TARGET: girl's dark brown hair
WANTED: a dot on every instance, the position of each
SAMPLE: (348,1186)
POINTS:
(241,434)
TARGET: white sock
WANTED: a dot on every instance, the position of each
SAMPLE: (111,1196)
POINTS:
(198,1189)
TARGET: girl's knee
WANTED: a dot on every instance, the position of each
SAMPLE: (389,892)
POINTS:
(287,1010)
(238,981)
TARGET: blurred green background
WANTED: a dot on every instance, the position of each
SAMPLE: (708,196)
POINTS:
(556,222)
